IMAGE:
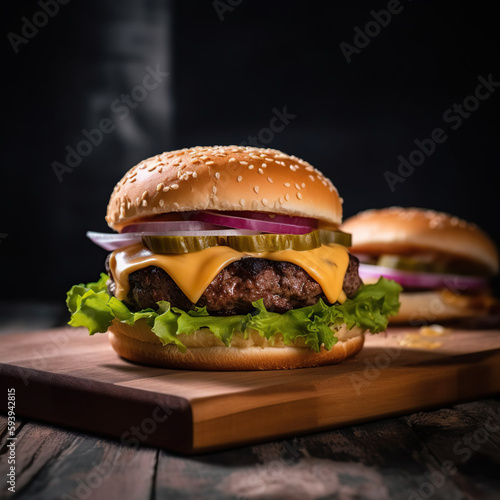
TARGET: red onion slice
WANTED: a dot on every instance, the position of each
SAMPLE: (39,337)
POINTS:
(262,226)
(270,217)
(160,227)
(424,280)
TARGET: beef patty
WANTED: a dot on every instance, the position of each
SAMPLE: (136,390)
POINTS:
(281,285)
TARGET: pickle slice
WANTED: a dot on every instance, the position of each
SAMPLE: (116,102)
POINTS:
(274,242)
(180,244)
(338,237)
(253,243)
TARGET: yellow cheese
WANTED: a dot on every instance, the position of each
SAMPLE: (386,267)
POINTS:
(193,272)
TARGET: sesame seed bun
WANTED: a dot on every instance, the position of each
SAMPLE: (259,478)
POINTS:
(228,178)
(205,352)
(397,231)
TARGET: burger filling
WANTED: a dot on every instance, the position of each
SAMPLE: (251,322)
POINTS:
(281,285)
(303,298)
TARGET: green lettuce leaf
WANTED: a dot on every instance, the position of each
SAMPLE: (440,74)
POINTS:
(92,307)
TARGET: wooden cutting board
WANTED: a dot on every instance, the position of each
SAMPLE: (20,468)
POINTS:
(64,377)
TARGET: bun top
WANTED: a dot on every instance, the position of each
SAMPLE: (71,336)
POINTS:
(228,178)
(398,230)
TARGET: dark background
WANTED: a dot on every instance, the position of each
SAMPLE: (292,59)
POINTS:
(225,78)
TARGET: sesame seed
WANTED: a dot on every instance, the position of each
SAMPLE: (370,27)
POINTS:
(287,184)
(303,184)
(292,168)
(242,202)
(144,203)
(243,163)
(153,167)
(297,186)
(261,171)
(299,196)
(144,195)
(256,189)
(214,190)
(160,186)
(137,201)
(166,188)
(195,175)
(231,160)
(239,179)
(264,165)
(161,203)
(133,180)
(203,157)
(250,167)
(270,180)
(311,177)
(287,196)
(175,205)
(174,186)
(264,202)
(324,183)
(209,163)
(217,175)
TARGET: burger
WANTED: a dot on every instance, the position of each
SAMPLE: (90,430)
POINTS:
(229,258)
(444,263)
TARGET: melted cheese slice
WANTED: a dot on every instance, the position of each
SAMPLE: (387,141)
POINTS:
(193,272)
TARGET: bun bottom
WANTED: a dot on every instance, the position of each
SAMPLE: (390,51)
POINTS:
(130,343)
(440,305)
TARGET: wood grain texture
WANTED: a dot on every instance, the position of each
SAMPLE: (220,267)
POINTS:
(61,376)
(392,458)
(55,463)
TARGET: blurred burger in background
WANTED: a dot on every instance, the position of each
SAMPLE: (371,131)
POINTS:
(444,263)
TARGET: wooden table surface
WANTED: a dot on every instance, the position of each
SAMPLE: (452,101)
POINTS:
(449,453)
